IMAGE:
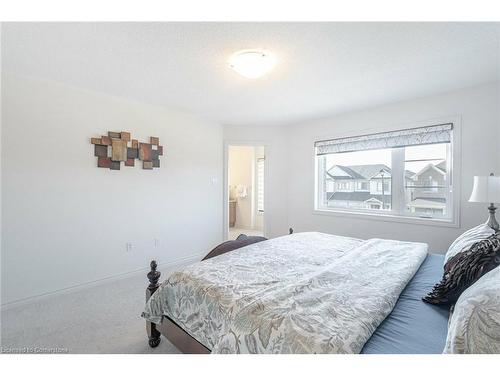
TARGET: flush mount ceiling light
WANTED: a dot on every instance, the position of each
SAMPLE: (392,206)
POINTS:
(252,63)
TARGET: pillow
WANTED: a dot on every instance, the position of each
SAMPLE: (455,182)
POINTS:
(467,239)
(241,241)
(475,323)
(464,269)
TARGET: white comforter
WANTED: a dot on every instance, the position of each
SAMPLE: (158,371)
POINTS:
(303,293)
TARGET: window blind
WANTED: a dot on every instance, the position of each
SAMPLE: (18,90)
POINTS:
(400,138)
(260,185)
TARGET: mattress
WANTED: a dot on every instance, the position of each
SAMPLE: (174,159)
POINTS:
(302,293)
(414,327)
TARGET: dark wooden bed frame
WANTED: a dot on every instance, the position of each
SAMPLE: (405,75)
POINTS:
(168,328)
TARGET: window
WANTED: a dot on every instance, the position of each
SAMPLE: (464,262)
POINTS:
(363,186)
(429,193)
(343,186)
(260,184)
(371,171)
(402,173)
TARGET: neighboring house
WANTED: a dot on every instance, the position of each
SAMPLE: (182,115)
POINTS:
(359,186)
(429,195)
(369,187)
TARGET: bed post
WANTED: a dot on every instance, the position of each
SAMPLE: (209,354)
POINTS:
(153,277)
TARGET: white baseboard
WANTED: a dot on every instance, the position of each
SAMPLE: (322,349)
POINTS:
(105,280)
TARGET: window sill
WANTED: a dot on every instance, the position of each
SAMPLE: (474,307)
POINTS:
(388,218)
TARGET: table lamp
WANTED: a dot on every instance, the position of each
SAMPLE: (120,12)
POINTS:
(487,190)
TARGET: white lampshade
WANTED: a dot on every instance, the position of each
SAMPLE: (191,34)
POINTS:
(486,189)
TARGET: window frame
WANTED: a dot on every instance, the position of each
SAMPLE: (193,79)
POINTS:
(260,161)
(453,172)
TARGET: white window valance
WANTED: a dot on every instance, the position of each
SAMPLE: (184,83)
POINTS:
(400,138)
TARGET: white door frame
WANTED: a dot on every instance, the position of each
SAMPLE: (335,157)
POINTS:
(225,198)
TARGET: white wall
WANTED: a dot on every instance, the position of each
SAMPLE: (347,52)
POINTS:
(498,124)
(477,108)
(66,222)
(292,176)
(274,138)
(241,172)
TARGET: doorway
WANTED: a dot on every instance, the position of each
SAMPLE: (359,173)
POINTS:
(245,190)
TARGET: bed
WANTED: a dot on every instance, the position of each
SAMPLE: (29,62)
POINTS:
(313,293)
(414,327)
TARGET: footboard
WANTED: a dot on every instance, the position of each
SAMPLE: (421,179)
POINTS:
(154,336)
(177,336)
(181,339)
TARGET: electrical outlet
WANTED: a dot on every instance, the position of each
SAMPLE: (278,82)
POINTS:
(157,242)
(128,247)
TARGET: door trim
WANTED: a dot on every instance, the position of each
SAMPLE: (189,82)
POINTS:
(225,190)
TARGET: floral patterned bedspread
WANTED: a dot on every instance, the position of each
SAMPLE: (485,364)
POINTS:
(302,293)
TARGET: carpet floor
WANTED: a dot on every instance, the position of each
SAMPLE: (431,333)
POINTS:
(101,319)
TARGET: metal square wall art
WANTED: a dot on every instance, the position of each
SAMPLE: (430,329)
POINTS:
(118,150)
(145,151)
(117,147)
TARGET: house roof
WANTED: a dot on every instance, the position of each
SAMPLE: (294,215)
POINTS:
(427,203)
(441,165)
(359,196)
(361,172)
(431,199)
(370,170)
(438,168)
(347,170)
(362,196)
(409,174)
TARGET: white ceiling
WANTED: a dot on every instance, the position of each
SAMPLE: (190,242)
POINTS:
(324,68)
